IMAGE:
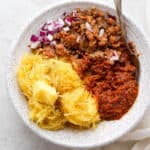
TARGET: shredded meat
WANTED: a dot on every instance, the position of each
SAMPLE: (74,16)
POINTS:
(114,85)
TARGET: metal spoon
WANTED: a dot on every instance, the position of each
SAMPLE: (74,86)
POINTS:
(134,54)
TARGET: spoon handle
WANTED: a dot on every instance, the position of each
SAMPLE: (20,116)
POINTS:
(118,5)
(134,54)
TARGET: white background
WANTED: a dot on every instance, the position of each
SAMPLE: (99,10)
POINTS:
(14,135)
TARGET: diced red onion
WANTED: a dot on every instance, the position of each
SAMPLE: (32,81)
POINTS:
(50,27)
(42,33)
(66,29)
(64,14)
(51,32)
(34,38)
(45,40)
(50,37)
(78,39)
(60,22)
(74,13)
(44,27)
(68,21)
(114,56)
(88,26)
(101,32)
(34,45)
(53,43)
(118,38)
(54,26)
(84,37)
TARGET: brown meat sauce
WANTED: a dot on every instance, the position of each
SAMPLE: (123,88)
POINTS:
(101,59)
(114,86)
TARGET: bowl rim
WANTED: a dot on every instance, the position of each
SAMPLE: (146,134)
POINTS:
(12,49)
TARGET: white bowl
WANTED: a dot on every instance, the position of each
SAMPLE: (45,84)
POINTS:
(107,131)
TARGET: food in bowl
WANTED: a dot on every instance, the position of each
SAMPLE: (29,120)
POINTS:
(79,72)
(56,94)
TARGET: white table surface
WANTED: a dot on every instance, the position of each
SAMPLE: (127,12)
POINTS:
(14,135)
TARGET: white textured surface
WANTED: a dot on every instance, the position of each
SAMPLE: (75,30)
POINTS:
(13,133)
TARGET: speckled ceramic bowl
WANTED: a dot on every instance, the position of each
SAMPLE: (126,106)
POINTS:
(107,131)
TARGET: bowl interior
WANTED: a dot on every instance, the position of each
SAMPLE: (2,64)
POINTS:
(106,132)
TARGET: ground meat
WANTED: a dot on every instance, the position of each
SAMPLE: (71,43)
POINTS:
(70,41)
(48,51)
(103,41)
(60,50)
